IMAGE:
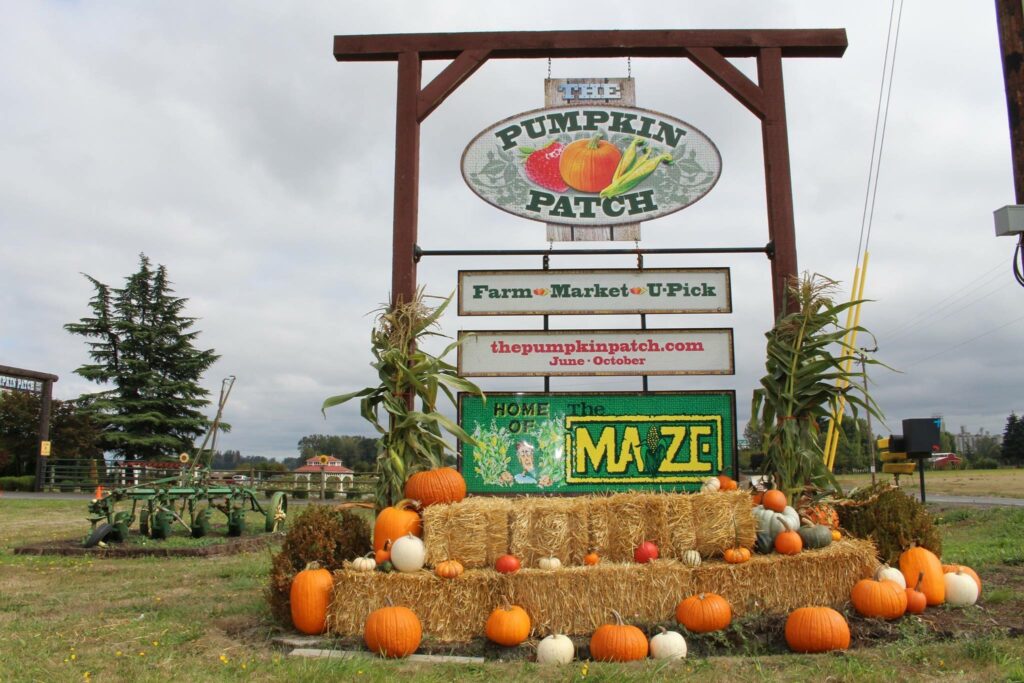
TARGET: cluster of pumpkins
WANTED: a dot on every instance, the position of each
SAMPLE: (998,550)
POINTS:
(921,581)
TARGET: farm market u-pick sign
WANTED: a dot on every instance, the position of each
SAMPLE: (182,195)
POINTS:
(586,442)
(588,292)
(591,165)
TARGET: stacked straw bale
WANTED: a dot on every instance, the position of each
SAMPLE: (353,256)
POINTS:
(477,530)
(576,600)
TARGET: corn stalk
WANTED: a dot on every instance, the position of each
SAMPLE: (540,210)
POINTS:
(803,385)
(411,439)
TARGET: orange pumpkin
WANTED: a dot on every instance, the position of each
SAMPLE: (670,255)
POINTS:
(917,560)
(508,625)
(589,165)
(727,483)
(440,485)
(953,568)
(817,629)
(756,498)
(774,500)
(393,631)
(591,559)
(310,596)
(618,642)
(736,555)
(401,519)
(788,543)
(837,535)
(916,600)
(449,569)
(704,613)
(883,599)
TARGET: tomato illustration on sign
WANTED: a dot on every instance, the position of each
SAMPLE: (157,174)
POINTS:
(540,291)
(637,290)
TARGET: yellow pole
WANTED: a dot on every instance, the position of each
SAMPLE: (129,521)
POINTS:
(831,434)
(851,343)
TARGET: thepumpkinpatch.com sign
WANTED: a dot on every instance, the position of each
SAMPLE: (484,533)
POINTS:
(585,442)
(591,165)
(518,353)
(586,292)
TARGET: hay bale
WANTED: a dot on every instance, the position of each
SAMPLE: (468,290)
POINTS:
(722,520)
(682,533)
(576,600)
(474,531)
(549,527)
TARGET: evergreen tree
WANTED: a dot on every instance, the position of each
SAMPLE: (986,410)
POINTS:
(143,346)
(1013,441)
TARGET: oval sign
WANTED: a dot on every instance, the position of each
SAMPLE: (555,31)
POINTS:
(596,165)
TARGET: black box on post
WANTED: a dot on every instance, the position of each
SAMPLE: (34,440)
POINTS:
(921,435)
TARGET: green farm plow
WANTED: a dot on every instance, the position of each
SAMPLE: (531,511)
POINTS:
(189,498)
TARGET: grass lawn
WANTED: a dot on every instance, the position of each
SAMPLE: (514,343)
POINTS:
(1002,483)
(149,619)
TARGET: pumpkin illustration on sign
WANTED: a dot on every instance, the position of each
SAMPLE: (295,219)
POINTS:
(589,165)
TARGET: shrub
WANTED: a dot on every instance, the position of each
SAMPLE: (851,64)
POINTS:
(891,519)
(300,494)
(320,533)
(25,483)
(984,464)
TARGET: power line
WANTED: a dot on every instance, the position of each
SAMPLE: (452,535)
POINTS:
(967,341)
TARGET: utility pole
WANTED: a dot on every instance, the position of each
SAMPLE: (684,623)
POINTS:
(1010,19)
(871,437)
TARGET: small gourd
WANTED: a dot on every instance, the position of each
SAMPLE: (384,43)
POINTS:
(549,563)
(691,558)
(710,485)
(449,569)
(365,563)
(591,559)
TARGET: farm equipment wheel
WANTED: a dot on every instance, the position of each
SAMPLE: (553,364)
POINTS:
(144,522)
(161,527)
(201,523)
(277,512)
(236,522)
(98,534)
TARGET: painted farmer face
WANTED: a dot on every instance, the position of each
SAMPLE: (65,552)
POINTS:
(524,452)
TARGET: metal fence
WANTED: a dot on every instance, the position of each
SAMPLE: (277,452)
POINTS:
(84,476)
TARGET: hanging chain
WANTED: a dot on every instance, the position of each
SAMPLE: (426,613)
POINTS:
(629,67)
(549,68)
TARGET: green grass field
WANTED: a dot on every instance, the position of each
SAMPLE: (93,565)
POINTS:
(1002,483)
(148,619)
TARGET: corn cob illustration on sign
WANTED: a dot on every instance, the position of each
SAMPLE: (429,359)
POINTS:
(591,165)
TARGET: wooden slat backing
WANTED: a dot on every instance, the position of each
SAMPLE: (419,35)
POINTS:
(569,44)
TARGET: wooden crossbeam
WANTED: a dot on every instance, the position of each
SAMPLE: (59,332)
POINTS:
(584,44)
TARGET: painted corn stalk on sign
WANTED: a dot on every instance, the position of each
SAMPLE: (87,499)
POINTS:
(590,442)
(591,165)
(588,292)
(524,353)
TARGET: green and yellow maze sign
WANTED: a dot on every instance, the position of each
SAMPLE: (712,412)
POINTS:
(591,442)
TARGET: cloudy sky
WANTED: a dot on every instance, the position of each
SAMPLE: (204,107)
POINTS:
(225,142)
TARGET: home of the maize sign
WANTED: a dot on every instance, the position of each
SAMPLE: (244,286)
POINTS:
(591,165)
(586,442)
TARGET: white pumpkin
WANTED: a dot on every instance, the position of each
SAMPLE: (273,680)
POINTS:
(961,589)
(555,649)
(764,517)
(549,563)
(887,573)
(364,564)
(788,519)
(710,485)
(691,558)
(408,554)
(668,645)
